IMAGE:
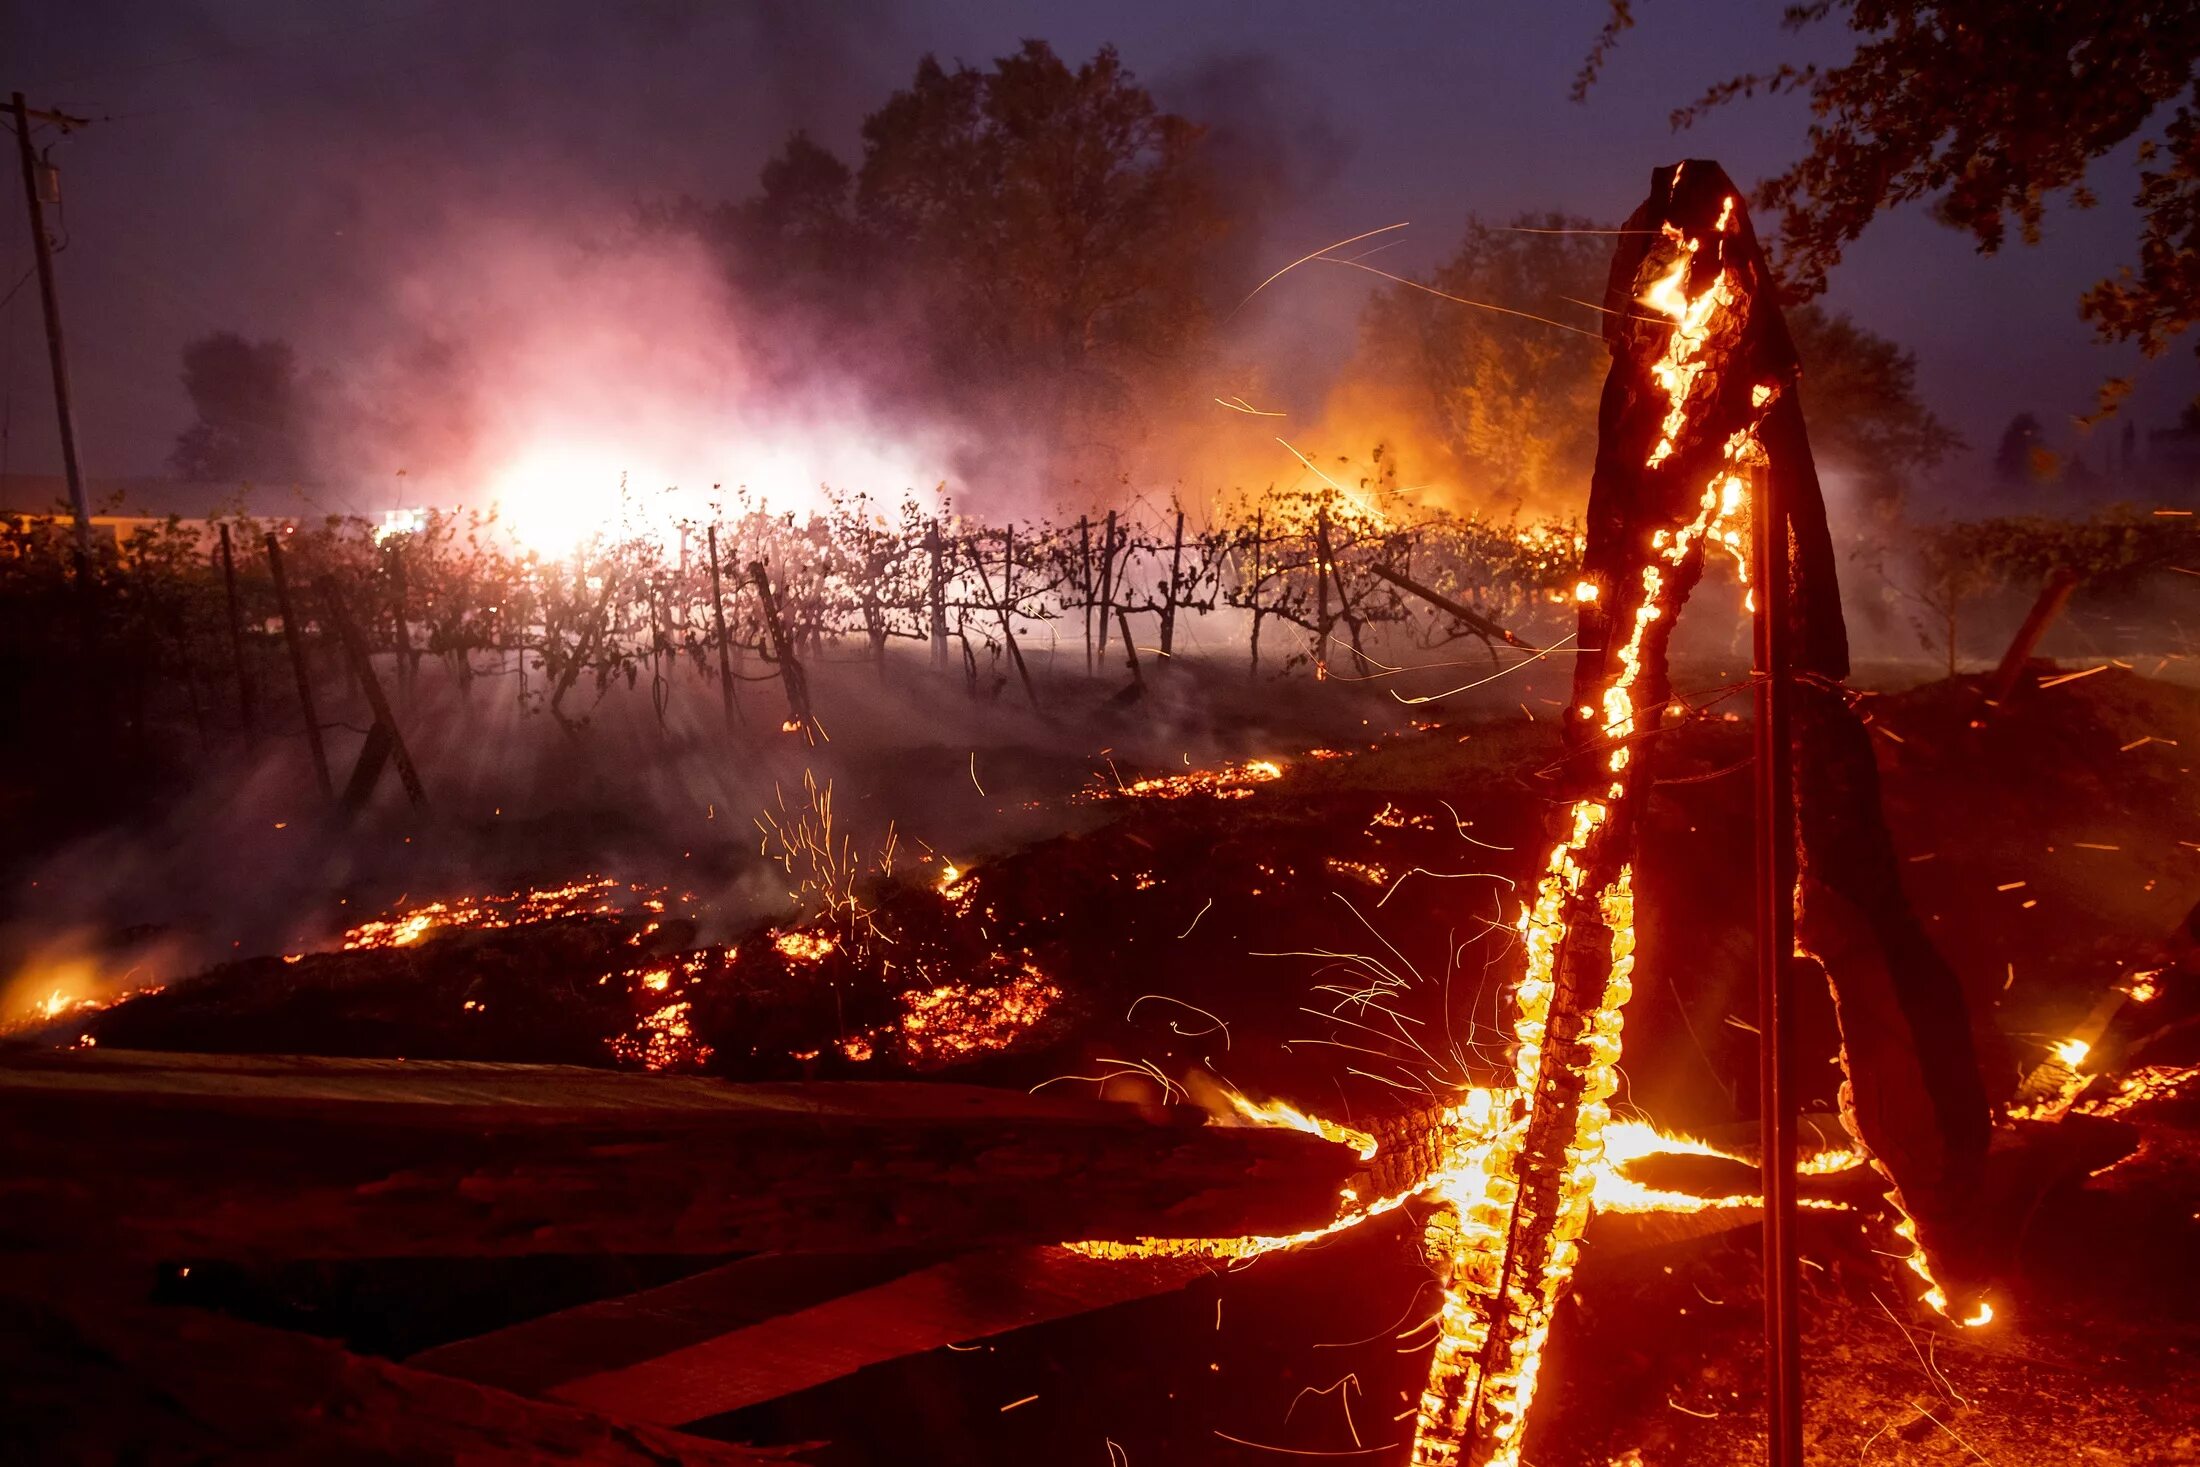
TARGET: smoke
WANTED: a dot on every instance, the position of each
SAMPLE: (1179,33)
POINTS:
(379,190)
(505,360)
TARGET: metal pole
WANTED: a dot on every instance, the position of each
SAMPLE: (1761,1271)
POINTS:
(1775,948)
(42,250)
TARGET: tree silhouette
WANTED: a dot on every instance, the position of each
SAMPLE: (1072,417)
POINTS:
(1043,236)
(1987,109)
(1059,222)
(250,411)
(1515,400)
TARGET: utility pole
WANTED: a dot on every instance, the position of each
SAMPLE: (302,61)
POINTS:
(42,247)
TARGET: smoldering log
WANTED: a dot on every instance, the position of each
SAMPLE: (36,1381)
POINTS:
(239,1157)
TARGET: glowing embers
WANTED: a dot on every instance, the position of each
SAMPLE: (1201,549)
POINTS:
(2141,1086)
(1229,782)
(663,1037)
(2047,1092)
(663,1040)
(955,1022)
(798,946)
(591,896)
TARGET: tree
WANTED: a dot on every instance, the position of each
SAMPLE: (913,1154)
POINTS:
(799,234)
(250,411)
(1987,109)
(1059,225)
(1860,390)
(1041,240)
(1513,399)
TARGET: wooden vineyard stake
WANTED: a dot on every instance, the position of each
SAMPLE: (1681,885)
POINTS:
(1774,797)
(718,622)
(1130,653)
(294,639)
(1474,621)
(1001,607)
(408,661)
(384,744)
(1084,581)
(936,596)
(799,717)
(235,619)
(2053,597)
(1108,550)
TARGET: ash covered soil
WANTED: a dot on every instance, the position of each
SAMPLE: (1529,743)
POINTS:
(1208,929)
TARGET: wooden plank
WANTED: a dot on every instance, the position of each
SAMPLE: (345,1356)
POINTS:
(92,1374)
(254,1157)
(536,1356)
(960,1299)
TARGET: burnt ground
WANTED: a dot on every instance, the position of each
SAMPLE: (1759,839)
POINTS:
(2049,849)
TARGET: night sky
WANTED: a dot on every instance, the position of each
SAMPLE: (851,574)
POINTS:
(286,170)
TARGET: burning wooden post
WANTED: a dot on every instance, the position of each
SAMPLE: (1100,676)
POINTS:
(293,638)
(1699,417)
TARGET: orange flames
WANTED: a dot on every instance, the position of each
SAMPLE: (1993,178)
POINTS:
(1475,1391)
(590,896)
(1229,782)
